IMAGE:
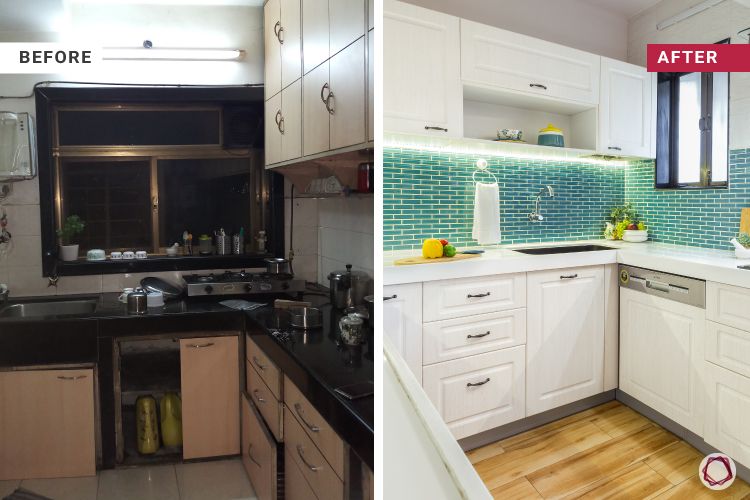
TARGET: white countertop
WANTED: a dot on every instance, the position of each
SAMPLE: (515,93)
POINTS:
(702,263)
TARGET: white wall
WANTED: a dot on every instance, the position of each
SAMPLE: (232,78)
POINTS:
(722,21)
(569,22)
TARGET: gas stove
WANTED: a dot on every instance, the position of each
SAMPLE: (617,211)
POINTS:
(241,283)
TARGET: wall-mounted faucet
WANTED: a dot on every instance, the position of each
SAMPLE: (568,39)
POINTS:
(536,215)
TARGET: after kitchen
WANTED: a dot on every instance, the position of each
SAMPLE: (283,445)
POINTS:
(186,262)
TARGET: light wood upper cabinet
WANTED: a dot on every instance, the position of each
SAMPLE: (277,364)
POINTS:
(370,14)
(316,33)
(498,58)
(371,86)
(316,87)
(421,71)
(402,322)
(347,23)
(272,47)
(565,337)
(47,424)
(283,125)
(626,109)
(348,124)
(291,42)
(272,126)
(210,396)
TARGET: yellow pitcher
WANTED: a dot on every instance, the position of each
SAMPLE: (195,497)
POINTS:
(171,419)
(146,425)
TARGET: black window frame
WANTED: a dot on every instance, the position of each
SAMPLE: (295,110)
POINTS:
(670,134)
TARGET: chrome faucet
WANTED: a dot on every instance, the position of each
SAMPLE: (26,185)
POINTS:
(536,215)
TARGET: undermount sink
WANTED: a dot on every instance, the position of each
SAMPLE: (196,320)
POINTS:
(51,308)
(562,249)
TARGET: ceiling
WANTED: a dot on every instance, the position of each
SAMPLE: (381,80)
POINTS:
(625,8)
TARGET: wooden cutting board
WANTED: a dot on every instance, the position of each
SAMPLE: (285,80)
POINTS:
(421,260)
(745,221)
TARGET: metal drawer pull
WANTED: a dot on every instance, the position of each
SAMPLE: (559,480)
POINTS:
(475,384)
(280,122)
(250,456)
(615,148)
(538,86)
(477,336)
(656,285)
(200,346)
(258,397)
(569,277)
(298,409)
(430,127)
(394,296)
(322,91)
(77,377)
(478,296)
(256,362)
(302,457)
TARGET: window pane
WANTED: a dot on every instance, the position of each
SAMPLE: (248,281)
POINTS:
(720,128)
(663,108)
(113,199)
(689,149)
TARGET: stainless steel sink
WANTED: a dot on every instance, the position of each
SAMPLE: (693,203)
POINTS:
(562,249)
(51,308)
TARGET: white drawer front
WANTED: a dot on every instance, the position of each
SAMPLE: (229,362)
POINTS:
(480,392)
(728,347)
(727,408)
(461,337)
(448,299)
(728,305)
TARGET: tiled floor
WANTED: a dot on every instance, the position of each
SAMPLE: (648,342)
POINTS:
(606,452)
(219,480)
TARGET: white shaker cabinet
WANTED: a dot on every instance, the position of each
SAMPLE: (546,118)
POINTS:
(492,57)
(272,48)
(565,337)
(727,408)
(402,322)
(627,109)
(421,71)
(283,125)
(662,356)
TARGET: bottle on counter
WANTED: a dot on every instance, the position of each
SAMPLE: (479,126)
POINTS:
(261,239)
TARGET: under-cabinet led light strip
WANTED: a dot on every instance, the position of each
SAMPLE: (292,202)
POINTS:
(695,9)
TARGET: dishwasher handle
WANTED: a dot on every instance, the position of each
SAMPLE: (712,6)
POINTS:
(657,285)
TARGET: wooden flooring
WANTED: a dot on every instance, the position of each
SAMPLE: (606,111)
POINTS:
(609,451)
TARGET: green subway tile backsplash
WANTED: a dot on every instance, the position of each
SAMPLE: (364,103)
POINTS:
(428,194)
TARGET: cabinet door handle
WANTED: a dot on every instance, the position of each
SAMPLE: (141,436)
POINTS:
(250,455)
(280,35)
(615,148)
(476,384)
(200,346)
(256,362)
(258,396)
(538,86)
(280,121)
(276,28)
(394,296)
(568,277)
(329,103)
(323,90)
(77,377)
(302,457)
(298,409)
(430,127)
(477,336)
(478,295)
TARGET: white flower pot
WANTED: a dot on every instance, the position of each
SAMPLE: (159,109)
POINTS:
(68,252)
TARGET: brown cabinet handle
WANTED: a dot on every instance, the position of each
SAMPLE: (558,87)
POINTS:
(478,296)
(256,362)
(258,396)
(250,456)
(298,409)
(394,296)
(77,377)
(430,127)
(477,336)
(307,464)
(476,384)
(568,277)
(538,86)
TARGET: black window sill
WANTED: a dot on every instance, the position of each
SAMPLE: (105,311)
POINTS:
(84,267)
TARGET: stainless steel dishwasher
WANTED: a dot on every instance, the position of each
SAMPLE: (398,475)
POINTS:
(662,330)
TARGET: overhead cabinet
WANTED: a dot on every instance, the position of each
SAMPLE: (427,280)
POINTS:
(283,125)
(329,26)
(282,42)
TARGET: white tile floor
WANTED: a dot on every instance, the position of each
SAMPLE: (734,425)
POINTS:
(220,480)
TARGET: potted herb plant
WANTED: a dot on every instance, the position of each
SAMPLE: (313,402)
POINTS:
(72,227)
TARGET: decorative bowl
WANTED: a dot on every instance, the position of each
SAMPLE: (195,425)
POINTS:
(634,235)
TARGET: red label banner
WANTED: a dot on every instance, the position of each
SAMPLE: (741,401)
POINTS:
(707,58)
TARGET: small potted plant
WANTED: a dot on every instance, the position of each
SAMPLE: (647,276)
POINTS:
(72,227)
(741,246)
(624,224)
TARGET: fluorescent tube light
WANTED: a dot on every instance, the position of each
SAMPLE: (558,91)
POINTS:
(695,9)
(167,54)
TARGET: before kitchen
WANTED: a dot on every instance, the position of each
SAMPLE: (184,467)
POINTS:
(186,252)
(565,252)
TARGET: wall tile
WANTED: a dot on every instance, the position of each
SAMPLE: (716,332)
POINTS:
(23,220)
(24,193)
(25,251)
(28,280)
(67,285)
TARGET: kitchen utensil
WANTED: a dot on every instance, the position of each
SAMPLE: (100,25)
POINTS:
(115,256)
(352,330)
(154,299)
(204,244)
(348,288)
(509,134)
(305,317)
(137,301)
(96,254)
(223,243)
(261,241)
(359,281)
(128,255)
(440,260)
(238,243)
(154,284)
(370,304)
(171,419)
(634,236)
(146,425)
(277,265)
(745,221)
(141,254)
(551,136)
(124,295)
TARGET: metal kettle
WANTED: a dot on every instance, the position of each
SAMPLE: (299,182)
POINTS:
(348,288)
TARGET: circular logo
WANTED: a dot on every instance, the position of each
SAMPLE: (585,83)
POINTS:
(717,471)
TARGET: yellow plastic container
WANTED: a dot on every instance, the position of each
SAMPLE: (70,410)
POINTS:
(147,425)
(171,419)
